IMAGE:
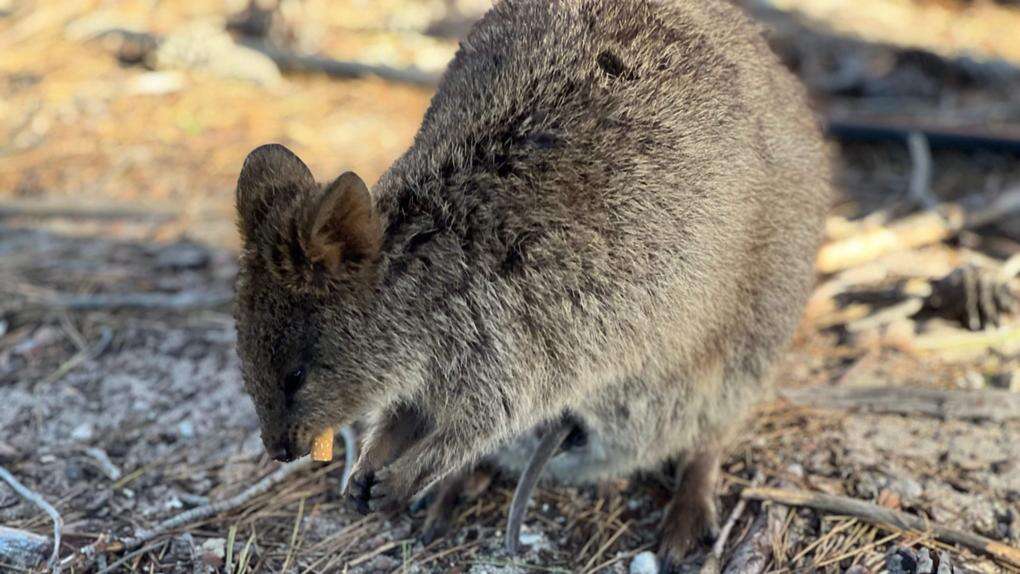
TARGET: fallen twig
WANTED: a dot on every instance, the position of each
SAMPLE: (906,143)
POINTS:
(203,512)
(127,557)
(195,514)
(879,128)
(36,499)
(884,518)
(713,560)
(920,177)
(103,460)
(88,353)
(987,404)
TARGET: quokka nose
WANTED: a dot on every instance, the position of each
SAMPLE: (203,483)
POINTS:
(280,452)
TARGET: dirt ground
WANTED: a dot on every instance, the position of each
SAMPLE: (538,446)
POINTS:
(121,401)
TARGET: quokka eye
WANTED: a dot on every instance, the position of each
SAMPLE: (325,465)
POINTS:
(293,381)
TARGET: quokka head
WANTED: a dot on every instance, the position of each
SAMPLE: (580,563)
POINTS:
(306,275)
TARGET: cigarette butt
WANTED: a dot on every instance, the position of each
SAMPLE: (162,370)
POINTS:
(322,446)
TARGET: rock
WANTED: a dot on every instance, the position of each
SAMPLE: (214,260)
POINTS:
(213,551)
(182,255)
(531,538)
(924,562)
(186,429)
(889,499)
(796,469)
(901,561)
(971,380)
(1009,380)
(7,452)
(909,489)
(644,563)
(207,47)
(22,549)
(945,563)
(83,432)
(182,548)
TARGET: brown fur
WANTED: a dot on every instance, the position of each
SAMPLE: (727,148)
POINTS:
(610,211)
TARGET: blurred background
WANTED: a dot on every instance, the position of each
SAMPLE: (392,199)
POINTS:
(123,125)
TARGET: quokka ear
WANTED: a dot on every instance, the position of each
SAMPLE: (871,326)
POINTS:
(271,179)
(340,230)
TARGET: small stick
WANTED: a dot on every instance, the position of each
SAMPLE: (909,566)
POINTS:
(36,499)
(713,560)
(857,127)
(545,450)
(109,469)
(902,310)
(920,177)
(127,557)
(885,518)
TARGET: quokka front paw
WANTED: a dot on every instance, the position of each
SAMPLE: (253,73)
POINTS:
(373,491)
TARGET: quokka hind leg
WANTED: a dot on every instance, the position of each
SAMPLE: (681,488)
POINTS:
(692,518)
(458,487)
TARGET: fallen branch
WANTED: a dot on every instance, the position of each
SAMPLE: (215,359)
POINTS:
(290,62)
(714,558)
(36,499)
(135,48)
(105,464)
(183,301)
(914,231)
(879,128)
(885,518)
(911,232)
(48,210)
(986,404)
(958,344)
(22,549)
(141,537)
